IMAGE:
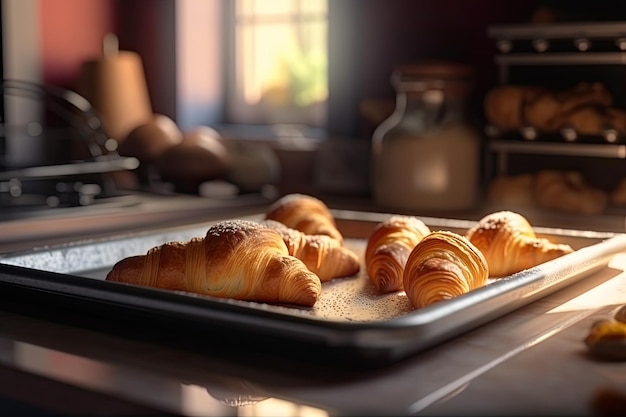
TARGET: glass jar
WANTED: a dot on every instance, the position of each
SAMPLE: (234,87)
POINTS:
(426,156)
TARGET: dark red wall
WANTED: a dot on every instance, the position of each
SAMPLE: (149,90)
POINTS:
(72,32)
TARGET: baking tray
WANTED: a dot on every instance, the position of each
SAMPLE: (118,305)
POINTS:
(349,322)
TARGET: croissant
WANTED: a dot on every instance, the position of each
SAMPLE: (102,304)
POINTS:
(504,104)
(443,265)
(568,191)
(306,214)
(388,248)
(510,245)
(236,259)
(550,111)
(323,255)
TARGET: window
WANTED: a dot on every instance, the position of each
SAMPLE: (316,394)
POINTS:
(279,62)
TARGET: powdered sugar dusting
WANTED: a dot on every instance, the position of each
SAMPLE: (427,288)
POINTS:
(231,227)
(355,298)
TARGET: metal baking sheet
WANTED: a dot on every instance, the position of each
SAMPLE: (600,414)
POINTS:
(349,319)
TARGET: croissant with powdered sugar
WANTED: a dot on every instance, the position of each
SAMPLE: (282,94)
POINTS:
(236,259)
(323,255)
(305,213)
(509,244)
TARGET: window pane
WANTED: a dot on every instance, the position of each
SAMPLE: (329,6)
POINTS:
(314,7)
(281,54)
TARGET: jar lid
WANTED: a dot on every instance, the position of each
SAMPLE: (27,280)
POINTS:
(433,69)
(453,77)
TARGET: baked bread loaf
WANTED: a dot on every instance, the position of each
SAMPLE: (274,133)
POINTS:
(509,244)
(443,265)
(322,254)
(236,259)
(388,248)
(306,214)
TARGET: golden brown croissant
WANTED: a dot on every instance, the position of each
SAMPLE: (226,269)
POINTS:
(504,104)
(443,265)
(551,110)
(388,248)
(322,254)
(510,245)
(236,259)
(306,214)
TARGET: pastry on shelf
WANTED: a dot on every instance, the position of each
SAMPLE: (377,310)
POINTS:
(586,120)
(322,254)
(388,248)
(509,244)
(305,213)
(568,191)
(236,259)
(443,265)
(560,190)
(584,94)
(616,119)
(553,110)
(618,194)
(504,105)
(512,190)
(583,107)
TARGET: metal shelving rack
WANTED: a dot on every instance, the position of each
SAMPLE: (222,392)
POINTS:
(590,43)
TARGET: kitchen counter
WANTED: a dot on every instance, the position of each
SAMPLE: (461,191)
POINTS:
(530,362)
